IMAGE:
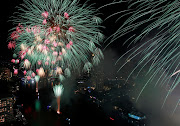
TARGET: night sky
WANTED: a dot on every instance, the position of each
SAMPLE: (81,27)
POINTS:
(151,100)
(7,9)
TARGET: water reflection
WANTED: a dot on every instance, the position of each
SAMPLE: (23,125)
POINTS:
(37,104)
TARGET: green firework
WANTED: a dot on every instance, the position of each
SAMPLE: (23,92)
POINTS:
(56,35)
(161,51)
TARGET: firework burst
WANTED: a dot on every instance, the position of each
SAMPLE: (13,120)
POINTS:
(55,34)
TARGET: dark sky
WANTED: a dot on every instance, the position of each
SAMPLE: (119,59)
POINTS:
(7,8)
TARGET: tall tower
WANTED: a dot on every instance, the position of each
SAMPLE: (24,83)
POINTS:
(97,78)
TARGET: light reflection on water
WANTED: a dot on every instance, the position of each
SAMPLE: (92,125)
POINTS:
(35,105)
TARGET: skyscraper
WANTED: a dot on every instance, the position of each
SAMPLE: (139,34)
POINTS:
(97,78)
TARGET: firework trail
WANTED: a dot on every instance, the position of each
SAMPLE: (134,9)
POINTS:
(175,107)
(161,52)
(58,90)
(175,73)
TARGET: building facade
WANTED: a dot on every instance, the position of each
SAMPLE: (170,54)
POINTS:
(6,109)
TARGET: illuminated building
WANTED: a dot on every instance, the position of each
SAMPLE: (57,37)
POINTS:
(5,74)
(6,109)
